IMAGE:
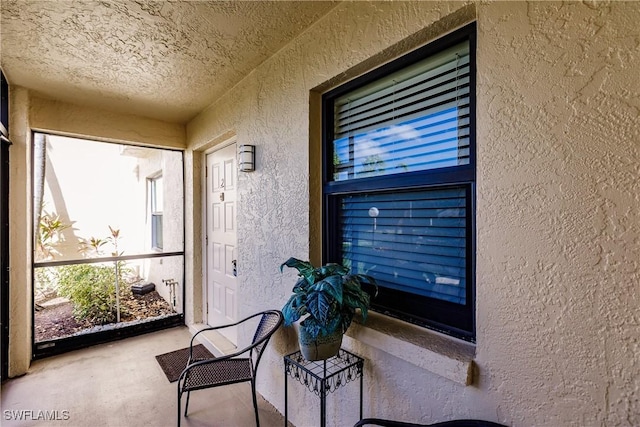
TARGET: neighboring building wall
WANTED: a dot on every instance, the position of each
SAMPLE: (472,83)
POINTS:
(558,213)
(169,165)
(104,198)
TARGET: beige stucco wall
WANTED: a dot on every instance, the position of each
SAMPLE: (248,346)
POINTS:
(558,211)
(74,120)
(557,208)
(155,270)
(20,229)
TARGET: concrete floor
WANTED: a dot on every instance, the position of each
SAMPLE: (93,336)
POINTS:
(120,384)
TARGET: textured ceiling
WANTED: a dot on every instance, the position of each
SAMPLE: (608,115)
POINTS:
(161,59)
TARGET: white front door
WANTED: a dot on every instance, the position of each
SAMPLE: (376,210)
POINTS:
(221,240)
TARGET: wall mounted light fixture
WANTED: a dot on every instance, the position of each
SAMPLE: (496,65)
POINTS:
(247,158)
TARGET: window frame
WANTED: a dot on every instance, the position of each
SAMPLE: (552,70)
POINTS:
(453,319)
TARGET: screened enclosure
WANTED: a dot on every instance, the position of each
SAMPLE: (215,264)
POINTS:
(108,242)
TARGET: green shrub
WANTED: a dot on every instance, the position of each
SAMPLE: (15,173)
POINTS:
(92,290)
(45,280)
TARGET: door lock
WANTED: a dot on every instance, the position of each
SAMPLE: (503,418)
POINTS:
(222,197)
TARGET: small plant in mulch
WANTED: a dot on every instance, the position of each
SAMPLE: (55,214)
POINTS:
(92,288)
(49,236)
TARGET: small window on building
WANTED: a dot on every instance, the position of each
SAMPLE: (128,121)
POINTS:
(399,182)
(155,210)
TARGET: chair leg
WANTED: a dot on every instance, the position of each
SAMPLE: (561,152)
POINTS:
(186,406)
(255,401)
(179,404)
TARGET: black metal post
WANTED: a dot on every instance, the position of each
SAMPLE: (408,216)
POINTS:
(361,369)
(4,253)
(323,397)
(286,394)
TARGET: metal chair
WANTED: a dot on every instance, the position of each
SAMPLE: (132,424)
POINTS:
(233,368)
(454,423)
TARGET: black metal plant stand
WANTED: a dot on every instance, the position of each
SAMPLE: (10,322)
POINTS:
(322,377)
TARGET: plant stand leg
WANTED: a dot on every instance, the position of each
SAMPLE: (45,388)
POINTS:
(323,398)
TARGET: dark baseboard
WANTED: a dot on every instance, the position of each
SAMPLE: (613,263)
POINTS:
(62,345)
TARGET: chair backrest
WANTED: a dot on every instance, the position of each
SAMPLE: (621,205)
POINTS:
(269,324)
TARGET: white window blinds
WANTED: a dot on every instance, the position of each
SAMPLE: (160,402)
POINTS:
(414,241)
(414,119)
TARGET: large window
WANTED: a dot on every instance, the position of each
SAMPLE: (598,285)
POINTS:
(399,182)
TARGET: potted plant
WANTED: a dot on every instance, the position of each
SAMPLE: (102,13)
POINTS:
(327,297)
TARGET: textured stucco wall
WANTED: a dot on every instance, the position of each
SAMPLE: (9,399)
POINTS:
(557,206)
(170,166)
(558,211)
(20,229)
(75,120)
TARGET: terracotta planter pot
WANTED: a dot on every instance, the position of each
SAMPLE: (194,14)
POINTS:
(321,348)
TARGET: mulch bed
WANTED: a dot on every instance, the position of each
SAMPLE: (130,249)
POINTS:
(56,322)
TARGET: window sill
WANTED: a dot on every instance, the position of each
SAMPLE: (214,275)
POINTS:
(440,354)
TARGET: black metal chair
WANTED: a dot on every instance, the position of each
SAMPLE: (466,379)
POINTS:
(454,423)
(233,368)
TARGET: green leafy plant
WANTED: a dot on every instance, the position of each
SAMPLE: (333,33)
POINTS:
(45,282)
(92,290)
(49,235)
(327,297)
(94,245)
